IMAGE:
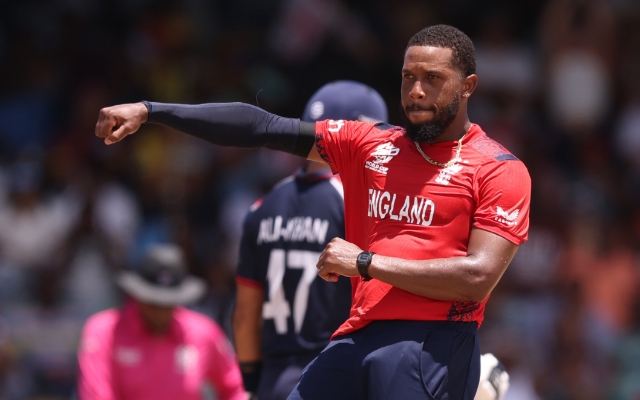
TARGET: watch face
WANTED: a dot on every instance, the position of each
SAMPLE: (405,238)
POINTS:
(363,258)
(363,261)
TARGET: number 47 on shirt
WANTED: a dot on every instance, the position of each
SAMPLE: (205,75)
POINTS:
(278,308)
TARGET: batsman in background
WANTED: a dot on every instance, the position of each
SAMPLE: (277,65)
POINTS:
(285,314)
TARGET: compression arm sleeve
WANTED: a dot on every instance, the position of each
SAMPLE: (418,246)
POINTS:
(236,125)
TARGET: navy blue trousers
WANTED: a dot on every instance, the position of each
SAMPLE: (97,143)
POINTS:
(433,360)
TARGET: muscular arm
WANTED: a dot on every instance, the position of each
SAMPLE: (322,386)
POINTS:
(470,278)
(224,124)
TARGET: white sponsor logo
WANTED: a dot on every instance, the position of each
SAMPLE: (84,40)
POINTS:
(316,110)
(186,357)
(445,174)
(335,126)
(297,229)
(415,210)
(506,218)
(383,154)
(128,356)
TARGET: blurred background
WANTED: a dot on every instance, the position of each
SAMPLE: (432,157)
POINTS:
(559,85)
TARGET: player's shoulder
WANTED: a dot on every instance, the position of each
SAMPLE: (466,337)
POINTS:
(275,194)
(383,126)
(492,152)
(102,321)
(386,130)
(99,332)
(368,128)
(488,147)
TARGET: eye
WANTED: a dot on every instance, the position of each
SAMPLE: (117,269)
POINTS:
(407,76)
(432,77)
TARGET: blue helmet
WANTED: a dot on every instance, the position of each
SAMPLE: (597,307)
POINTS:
(348,100)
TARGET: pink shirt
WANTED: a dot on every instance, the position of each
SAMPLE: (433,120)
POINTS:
(119,359)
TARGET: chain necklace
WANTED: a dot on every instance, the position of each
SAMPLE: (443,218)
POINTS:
(448,163)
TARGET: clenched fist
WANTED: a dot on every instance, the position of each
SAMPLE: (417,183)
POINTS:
(338,258)
(117,122)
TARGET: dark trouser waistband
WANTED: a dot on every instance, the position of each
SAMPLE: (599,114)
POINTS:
(385,325)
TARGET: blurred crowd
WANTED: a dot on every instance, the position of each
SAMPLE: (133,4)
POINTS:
(559,85)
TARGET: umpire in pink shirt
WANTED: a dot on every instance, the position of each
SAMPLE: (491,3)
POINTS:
(152,348)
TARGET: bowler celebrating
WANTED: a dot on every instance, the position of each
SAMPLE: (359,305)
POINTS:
(434,211)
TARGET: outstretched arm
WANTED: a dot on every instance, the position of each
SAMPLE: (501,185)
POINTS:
(469,278)
(224,124)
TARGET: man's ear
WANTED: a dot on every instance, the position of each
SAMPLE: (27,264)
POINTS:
(469,85)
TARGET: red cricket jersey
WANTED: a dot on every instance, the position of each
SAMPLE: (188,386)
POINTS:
(399,205)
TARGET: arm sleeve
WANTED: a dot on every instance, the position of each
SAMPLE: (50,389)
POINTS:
(503,196)
(233,125)
(95,380)
(340,143)
(224,372)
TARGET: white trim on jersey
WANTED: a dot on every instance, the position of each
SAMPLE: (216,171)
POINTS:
(284,181)
(337,184)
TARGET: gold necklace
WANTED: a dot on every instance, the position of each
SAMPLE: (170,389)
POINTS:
(448,163)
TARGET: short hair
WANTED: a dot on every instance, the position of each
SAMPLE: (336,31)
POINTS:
(463,54)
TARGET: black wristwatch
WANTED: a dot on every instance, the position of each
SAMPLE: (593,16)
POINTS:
(363,261)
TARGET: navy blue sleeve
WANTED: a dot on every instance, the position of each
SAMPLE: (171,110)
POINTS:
(235,125)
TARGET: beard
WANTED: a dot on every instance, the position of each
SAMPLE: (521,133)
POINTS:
(429,131)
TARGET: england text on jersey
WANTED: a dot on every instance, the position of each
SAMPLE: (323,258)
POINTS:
(415,210)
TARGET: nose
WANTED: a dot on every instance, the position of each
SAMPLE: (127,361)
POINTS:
(416,92)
